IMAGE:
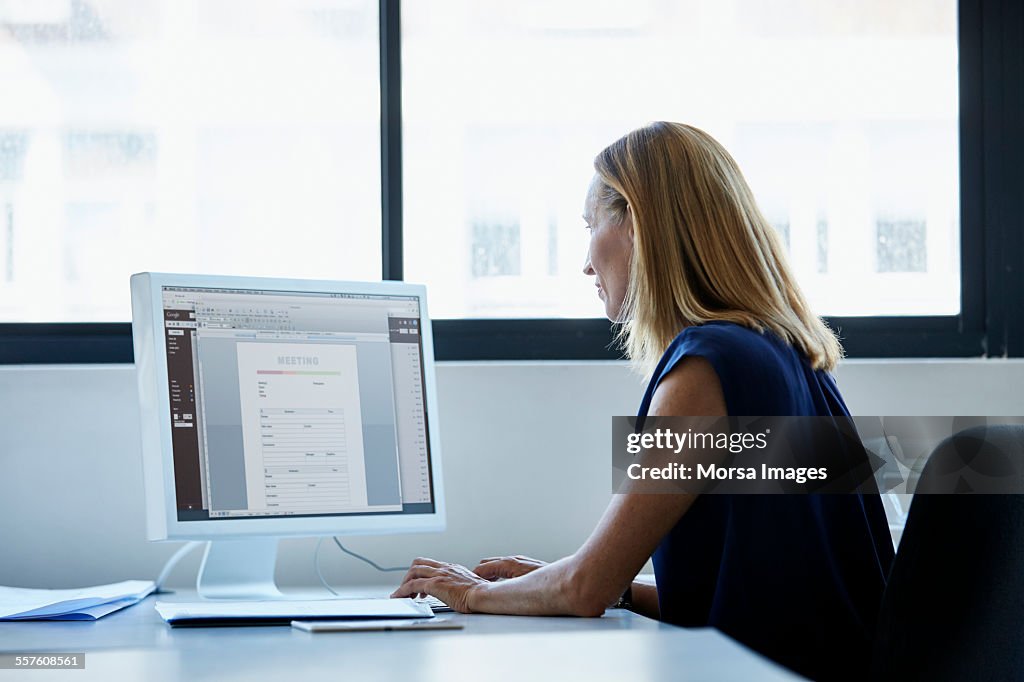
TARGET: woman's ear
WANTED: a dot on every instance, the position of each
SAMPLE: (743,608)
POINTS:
(629,222)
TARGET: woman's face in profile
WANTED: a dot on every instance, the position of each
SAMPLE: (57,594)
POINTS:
(609,254)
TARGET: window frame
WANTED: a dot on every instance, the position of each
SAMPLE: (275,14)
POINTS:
(991,322)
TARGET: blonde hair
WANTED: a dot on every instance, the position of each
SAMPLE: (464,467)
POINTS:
(702,251)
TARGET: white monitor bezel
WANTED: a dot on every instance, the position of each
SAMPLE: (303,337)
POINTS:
(154,403)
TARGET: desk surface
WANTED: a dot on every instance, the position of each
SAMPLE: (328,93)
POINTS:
(135,644)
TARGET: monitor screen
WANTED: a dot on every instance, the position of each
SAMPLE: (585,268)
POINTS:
(289,404)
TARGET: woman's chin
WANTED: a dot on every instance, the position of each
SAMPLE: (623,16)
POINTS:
(613,312)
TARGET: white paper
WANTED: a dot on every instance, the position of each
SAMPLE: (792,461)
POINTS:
(25,603)
(320,608)
(302,435)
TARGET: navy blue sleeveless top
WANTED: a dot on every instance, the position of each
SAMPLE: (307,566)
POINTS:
(797,578)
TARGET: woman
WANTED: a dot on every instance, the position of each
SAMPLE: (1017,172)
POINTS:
(683,258)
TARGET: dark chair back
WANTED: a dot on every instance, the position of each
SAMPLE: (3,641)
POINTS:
(953,607)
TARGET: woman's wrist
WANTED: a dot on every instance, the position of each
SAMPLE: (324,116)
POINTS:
(474,597)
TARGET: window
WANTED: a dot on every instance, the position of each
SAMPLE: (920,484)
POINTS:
(220,136)
(843,117)
(269,138)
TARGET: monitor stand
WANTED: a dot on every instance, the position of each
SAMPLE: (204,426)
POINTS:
(239,569)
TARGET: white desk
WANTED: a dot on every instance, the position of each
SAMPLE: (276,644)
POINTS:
(135,644)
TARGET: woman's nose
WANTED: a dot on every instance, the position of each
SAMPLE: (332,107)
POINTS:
(588,269)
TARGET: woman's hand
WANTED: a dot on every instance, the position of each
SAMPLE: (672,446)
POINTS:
(451,583)
(496,568)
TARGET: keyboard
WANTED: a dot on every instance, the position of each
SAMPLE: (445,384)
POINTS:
(435,604)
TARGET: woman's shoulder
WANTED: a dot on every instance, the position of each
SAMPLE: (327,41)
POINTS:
(741,356)
(760,373)
(723,339)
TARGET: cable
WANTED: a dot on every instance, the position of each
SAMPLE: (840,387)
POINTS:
(319,573)
(373,563)
(173,561)
(346,550)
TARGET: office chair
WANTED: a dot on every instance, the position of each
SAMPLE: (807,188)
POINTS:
(953,607)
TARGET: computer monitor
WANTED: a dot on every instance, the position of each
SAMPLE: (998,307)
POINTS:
(275,408)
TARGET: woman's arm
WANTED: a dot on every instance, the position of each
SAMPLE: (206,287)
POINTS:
(643,595)
(593,578)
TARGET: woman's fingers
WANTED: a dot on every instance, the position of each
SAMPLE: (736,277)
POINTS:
(412,588)
(450,583)
(492,568)
(419,571)
(422,572)
(513,557)
(424,561)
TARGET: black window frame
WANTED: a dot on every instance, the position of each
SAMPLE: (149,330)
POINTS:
(991,322)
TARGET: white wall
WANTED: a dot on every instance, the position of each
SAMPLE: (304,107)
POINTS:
(526,459)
